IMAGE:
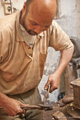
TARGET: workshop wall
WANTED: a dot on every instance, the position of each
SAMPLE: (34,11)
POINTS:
(1,10)
(78,17)
(68,18)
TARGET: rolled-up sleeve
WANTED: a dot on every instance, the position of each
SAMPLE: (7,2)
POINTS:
(59,40)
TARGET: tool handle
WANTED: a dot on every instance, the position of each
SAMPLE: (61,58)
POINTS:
(46,95)
(30,107)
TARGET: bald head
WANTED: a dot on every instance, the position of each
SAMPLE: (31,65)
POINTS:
(43,6)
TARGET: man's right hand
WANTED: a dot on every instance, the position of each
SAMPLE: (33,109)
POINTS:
(11,106)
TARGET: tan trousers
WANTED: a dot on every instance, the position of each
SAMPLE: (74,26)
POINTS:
(31,97)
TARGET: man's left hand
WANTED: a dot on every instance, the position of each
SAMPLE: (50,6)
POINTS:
(53,81)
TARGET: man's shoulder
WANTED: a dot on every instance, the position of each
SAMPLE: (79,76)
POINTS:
(7,21)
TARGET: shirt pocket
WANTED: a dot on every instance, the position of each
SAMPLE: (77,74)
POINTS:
(16,68)
(42,60)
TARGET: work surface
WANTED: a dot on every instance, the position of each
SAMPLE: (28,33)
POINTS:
(48,115)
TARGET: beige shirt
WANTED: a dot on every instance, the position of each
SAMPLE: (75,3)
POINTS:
(29,39)
(21,68)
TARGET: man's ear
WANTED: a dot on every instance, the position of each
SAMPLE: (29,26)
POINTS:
(24,7)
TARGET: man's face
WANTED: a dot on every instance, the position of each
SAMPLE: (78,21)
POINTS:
(35,23)
(32,27)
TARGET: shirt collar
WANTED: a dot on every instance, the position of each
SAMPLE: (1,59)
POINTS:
(41,34)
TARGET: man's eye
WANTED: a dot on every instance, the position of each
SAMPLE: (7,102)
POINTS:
(34,23)
(47,26)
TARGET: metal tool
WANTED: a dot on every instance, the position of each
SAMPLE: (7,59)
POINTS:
(39,106)
(46,96)
(43,106)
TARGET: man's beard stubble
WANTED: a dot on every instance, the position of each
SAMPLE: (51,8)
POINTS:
(26,28)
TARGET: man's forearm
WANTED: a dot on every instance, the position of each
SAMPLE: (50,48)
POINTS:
(66,56)
(11,106)
(53,79)
(3,99)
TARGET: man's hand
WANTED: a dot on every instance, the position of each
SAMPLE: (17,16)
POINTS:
(53,81)
(13,107)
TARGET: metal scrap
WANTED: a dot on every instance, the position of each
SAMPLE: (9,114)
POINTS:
(39,106)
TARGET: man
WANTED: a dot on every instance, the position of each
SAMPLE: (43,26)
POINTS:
(24,40)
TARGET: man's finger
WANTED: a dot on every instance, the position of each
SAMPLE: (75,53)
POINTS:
(53,87)
(20,111)
(47,85)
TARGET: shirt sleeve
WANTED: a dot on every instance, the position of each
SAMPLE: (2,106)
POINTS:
(59,40)
(4,46)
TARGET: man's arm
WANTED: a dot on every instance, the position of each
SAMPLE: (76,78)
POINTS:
(54,78)
(11,106)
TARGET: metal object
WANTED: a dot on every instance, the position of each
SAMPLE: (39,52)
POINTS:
(45,106)
(67,99)
(46,96)
(59,116)
(75,113)
(76,62)
(74,108)
(70,74)
(71,71)
(76,43)
(76,90)
(39,106)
